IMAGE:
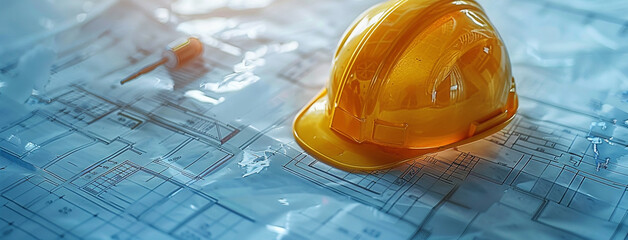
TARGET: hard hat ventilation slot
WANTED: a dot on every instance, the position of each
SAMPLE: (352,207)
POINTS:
(348,125)
(492,120)
(390,133)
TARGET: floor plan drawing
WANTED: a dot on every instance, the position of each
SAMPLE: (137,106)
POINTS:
(206,151)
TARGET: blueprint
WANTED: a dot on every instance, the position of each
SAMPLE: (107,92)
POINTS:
(206,151)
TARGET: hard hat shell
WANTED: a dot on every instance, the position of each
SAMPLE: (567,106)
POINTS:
(410,77)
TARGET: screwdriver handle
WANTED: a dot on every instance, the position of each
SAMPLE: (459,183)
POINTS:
(182,51)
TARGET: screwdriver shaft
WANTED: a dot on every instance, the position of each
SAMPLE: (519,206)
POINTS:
(144,70)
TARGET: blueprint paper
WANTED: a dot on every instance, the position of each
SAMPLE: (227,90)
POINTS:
(206,151)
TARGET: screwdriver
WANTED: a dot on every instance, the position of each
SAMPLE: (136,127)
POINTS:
(178,52)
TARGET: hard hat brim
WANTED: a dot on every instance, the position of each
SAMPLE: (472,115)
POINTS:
(312,132)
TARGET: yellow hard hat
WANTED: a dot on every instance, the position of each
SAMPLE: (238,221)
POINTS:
(410,77)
